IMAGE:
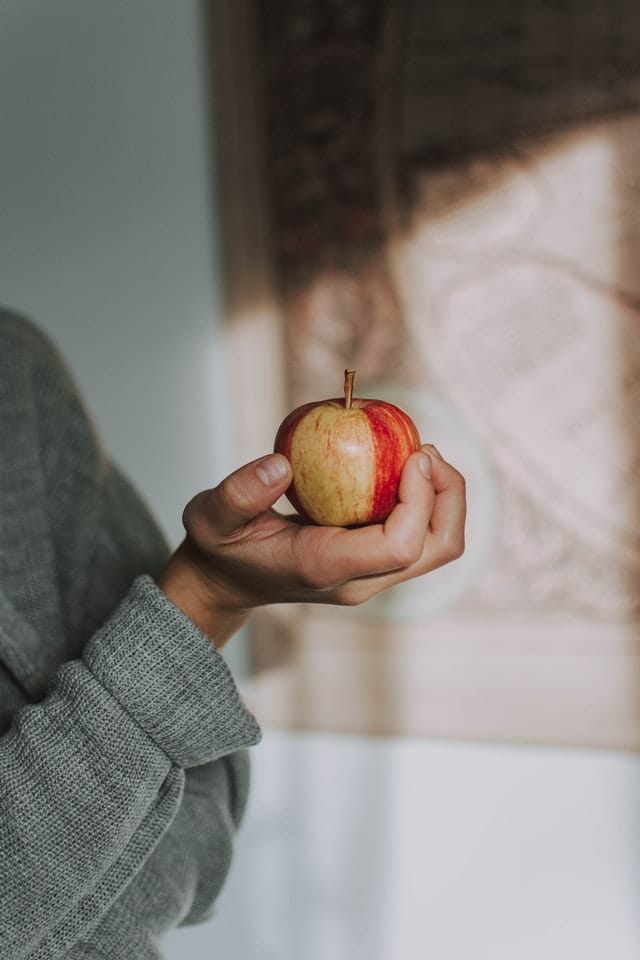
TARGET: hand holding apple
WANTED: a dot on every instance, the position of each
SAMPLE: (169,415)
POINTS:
(239,553)
(347,457)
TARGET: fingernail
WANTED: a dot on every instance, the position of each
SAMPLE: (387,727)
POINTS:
(435,450)
(425,465)
(272,469)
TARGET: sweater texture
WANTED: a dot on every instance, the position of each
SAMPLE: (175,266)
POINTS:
(123,769)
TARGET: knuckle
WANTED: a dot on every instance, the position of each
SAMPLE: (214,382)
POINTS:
(234,494)
(406,552)
(460,482)
(193,518)
(313,577)
(350,597)
(309,570)
(311,580)
(452,547)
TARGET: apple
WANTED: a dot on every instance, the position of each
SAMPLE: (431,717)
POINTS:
(347,456)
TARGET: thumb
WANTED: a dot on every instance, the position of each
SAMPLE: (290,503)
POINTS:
(249,491)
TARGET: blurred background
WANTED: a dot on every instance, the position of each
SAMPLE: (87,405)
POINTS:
(214,208)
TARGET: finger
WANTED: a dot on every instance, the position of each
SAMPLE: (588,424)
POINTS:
(398,543)
(406,526)
(247,492)
(446,527)
(443,542)
(432,450)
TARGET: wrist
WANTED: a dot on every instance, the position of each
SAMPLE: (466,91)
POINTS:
(185,585)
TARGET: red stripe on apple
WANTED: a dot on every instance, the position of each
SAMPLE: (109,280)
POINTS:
(395,437)
(346,457)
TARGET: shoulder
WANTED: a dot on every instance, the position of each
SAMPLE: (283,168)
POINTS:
(21,339)
(35,381)
(32,365)
(32,361)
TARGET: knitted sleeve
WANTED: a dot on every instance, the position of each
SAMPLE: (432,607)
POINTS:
(93,776)
(181,881)
(122,781)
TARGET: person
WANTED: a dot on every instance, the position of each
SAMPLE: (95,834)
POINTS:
(123,738)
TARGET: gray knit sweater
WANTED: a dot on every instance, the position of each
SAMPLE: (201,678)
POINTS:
(122,769)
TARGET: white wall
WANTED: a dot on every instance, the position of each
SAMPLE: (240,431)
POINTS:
(372,849)
(106,225)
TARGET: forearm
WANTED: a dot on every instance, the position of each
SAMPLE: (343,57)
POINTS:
(182,582)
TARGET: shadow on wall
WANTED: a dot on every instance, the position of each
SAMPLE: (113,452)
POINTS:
(512,182)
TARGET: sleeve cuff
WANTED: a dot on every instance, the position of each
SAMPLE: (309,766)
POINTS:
(168,676)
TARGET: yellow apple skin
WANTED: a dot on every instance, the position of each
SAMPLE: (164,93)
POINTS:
(346,461)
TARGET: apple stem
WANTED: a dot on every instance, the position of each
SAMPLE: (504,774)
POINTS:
(348,387)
